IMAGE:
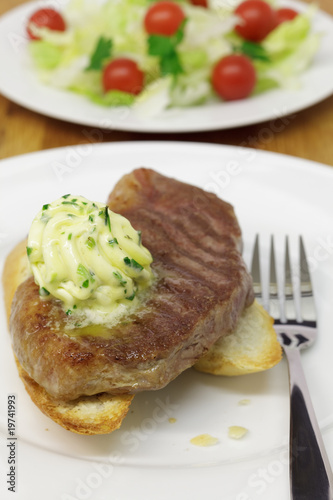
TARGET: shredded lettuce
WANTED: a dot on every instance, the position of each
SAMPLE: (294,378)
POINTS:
(155,98)
(191,89)
(288,35)
(45,55)
(111,98)
(104,29)
(291,48)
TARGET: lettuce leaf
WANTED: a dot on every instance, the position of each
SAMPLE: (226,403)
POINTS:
(291,48)
(45,55)
(111,98)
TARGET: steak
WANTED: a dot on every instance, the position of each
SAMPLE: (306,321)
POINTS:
(201,289)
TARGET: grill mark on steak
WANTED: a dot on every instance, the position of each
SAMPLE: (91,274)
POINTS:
(189,243)
(201,289)
(187,254)
(199,249)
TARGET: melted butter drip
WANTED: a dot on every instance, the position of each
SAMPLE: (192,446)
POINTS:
(204,440)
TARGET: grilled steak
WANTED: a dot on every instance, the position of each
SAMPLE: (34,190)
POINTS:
(202,286)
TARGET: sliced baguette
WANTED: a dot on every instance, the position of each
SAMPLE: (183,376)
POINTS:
(100,414)
(252,347)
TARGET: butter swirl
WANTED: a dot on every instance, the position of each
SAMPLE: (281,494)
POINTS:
(85,255)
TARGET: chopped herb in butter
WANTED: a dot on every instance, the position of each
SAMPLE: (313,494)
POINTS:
(85,255)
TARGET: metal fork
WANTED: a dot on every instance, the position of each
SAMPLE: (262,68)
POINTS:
(310,472)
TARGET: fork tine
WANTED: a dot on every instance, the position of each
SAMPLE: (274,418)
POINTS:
(308,310)
(274,306)
(289,302)
(255,271)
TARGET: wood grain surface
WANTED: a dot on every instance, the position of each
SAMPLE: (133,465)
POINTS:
(309,134)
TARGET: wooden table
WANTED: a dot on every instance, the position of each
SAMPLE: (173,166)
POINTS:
(309,134)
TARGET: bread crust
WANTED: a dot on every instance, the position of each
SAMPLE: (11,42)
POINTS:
(90,415)
(252,347)
(16,270)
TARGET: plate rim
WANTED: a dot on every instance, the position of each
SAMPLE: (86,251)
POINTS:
(297,160)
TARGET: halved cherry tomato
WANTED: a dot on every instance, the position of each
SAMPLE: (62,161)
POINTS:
(200,3)
(234,77)
(123,74)
(257,20)
(285,14)
(46,18)
(163,18)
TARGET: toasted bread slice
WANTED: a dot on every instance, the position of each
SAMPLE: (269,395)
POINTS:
(16,270)
(251,348)
(100,414)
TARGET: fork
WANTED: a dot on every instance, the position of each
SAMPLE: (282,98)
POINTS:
(309,468)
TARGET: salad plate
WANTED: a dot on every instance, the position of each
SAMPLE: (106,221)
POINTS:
(151,456)
(20,83)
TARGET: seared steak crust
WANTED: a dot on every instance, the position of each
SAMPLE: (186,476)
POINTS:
(201,288)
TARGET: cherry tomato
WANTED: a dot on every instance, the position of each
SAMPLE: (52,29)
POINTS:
(163,18)
(234,77)
(123,74)
(285,14)
(46,18)
(200,3)
(257,20)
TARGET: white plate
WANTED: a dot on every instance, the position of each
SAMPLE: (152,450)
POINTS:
(19,83)
(149,457)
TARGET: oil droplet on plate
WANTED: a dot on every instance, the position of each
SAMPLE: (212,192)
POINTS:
(244,402)
(204,440)
(237,432)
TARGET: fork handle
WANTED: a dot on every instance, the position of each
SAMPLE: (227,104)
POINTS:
(310,472)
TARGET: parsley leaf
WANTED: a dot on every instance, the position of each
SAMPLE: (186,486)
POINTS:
(133,263)
(91,243)
(171,65)
(43,292)
(102,52)
(107,218)
(70,203)
(131,297)
(254,51)
(86,275)
(82,271)
(179,35)
(165,48)
(119,277)
(160,45)
(114,241)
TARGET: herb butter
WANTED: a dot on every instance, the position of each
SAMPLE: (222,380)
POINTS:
(87,256)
